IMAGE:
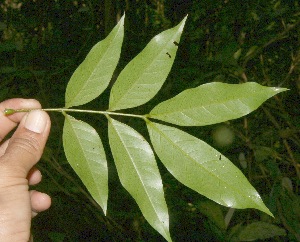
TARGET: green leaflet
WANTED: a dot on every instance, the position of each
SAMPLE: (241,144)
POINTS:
(202,168)
(139,174)
(85,153)
(213,103)
(92,76)
(143,77)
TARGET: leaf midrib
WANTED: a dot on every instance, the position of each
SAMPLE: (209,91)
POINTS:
(203,106)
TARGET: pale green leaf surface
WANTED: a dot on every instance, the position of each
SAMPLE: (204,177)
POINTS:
(92,76)
(213,103)
(138,173)
(260,231)
(143,77)
(86,155)
(198,166)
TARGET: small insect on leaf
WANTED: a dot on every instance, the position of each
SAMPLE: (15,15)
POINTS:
(175,43)
(220,157)
(168,54)
(9,111)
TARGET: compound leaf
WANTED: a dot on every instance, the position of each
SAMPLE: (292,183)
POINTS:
(85,153)
(213,103)
(92,76)
(203,169)
(138,173)
(143,77)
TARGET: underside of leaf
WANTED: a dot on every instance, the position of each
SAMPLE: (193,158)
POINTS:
(203,169)
(139,174)
(213,103)
(92,76)
(86,155)
(143,77)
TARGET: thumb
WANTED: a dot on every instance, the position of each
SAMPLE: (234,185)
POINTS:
(26,145)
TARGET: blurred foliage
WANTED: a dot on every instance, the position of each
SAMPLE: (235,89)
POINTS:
(42,43)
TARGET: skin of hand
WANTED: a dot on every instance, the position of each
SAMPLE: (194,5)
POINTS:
(18,155)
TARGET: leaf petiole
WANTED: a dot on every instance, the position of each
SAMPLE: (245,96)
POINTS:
(9,111)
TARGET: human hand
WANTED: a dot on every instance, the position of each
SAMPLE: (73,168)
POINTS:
(18,155)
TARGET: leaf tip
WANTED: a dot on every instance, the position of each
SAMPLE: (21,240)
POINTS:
(280,89)
(122,18)
(167,235)
(267,211)
(182,23)
(263,208)
(104,208)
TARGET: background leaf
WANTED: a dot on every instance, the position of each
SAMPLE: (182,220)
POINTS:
(139,174)
(92,76)
(202,168)
(85,153)
(213,212)
(260,231)
(213,103)
(143,77)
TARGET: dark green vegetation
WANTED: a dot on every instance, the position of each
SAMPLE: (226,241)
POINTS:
(44,42)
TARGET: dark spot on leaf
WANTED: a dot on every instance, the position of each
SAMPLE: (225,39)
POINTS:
(220,157)
(168,54)
(175,43)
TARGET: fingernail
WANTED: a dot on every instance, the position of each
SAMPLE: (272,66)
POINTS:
(36,121)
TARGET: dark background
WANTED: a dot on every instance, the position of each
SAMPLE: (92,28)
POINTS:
(42,43)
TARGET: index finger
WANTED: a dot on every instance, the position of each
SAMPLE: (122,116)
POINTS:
(8,123)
